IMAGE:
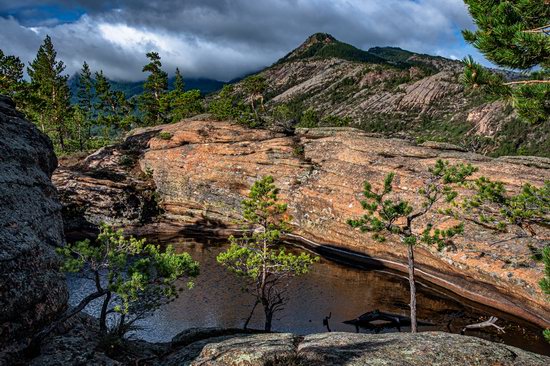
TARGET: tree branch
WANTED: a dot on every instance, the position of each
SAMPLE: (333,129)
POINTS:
(544,29)
(526,82)
(488,323)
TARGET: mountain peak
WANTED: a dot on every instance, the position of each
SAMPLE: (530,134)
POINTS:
(324,45)
(319,38)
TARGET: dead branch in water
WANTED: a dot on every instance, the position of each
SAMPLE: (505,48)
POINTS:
(488,323)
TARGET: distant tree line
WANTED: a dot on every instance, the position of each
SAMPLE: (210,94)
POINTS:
(100,114)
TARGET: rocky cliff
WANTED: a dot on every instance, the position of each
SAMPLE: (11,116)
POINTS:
(32,290)
(398,93)
(204,169)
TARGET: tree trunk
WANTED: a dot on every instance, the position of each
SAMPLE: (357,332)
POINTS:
(121,324)
(103,316)
(268,318)
(412,288)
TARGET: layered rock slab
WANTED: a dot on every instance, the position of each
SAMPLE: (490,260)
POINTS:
(205,169)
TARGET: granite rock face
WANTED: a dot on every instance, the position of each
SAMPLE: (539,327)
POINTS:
(214,347)
(32,290)
(205,169)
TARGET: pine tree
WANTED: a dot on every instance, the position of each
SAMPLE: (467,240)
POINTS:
(51,94)
(258,258)
(255,86)
(110,106)
(494,207)
(179,104)
(11,77)
(84,111)
(132,278)
(156,85)
(387,214)
(515,35)
(179,84)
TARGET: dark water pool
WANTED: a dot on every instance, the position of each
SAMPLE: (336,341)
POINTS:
(346,293)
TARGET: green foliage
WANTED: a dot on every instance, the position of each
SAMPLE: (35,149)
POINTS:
(179,104)
(477,76)
(387,214)
(229,106)
(50,94)
(493,206)
(335,121)
(112,109)
(11,78)
(258,258)
(505,33)
(545,281)
(533,102)
(101,112)
(513,34)
(156,85)
(309,119)
(133,278)
(282,113)
(223,107)
(165,135)
(255,85)
(84,110)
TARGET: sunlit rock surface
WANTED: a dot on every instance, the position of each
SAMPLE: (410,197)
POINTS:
(202,172)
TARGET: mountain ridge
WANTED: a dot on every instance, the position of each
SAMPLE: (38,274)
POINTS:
(398,93)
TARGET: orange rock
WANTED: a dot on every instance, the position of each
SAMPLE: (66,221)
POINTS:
(203,172)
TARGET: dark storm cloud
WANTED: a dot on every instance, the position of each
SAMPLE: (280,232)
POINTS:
(226,38)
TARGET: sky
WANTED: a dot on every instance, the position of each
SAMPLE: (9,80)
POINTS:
(222,39)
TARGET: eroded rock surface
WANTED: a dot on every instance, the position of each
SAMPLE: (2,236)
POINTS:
(204,170)
(32,290)
(212,347)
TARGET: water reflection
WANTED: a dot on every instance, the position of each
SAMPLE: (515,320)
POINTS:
(217,301)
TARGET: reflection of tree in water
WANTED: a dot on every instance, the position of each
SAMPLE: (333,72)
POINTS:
(345,292)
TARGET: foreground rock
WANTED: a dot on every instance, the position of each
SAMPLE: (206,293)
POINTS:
(218,347)
(203,171)
(32,290)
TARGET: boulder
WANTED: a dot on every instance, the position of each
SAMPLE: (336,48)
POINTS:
(32,289)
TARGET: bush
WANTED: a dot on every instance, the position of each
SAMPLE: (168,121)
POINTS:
(335,121)
(309,119)
(165,135)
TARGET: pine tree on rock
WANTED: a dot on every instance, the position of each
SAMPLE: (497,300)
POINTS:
(154,88)
(51,94)
(514,35)
(388,215)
